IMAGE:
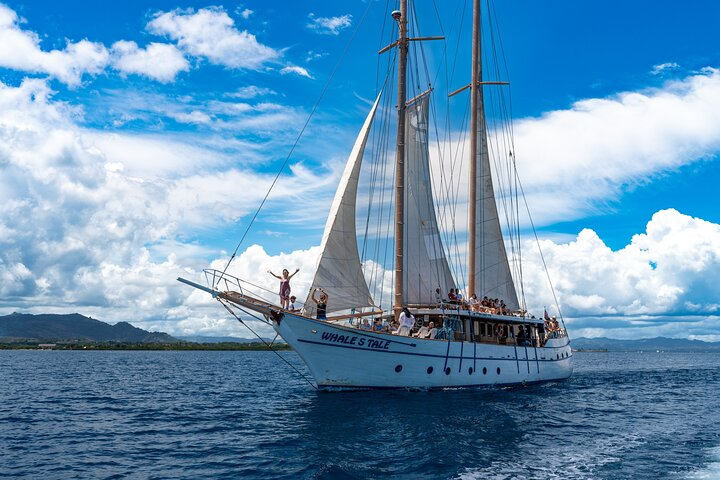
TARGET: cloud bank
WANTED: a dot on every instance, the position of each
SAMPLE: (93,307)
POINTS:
(595,150)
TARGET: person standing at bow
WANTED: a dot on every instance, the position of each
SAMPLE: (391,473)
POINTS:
(284,286)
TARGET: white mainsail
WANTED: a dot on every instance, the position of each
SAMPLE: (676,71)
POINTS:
(492,270)
(339,271)
(425,264)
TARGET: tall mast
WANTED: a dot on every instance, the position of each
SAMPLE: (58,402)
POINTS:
(400,16)
(474,90)
(402,45)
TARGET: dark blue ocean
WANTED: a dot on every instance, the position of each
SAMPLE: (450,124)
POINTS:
(116,414)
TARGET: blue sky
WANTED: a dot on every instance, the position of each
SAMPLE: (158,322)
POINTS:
(138,138)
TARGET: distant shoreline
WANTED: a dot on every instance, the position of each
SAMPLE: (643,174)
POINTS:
(182,346)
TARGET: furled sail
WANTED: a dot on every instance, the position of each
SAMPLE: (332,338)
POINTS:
(425,264)
(339,272)
(492,270)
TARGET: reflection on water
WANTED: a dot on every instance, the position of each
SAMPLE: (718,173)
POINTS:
(246,414)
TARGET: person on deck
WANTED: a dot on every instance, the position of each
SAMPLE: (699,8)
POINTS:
(432,331)
(321,304)
(423,332)
(438,296)
(521,337)
(284,286)
(452,298)
(407,322)
(474,303)
(379,327)
(365,325)
(292,306)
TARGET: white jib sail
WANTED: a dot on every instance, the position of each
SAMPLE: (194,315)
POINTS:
(339,272)
(425,264)
(492,270)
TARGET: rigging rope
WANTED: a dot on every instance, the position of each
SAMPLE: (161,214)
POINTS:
(224,304)
(299,136)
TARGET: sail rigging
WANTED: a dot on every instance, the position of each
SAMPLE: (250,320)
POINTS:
(339,271)
(489,267)
(425,263)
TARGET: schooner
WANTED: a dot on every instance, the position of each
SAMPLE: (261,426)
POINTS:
(468,345)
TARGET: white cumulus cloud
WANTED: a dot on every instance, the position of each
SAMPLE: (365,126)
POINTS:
(159,61)
(211,33)
(20,50)
(329,25)
(296,70)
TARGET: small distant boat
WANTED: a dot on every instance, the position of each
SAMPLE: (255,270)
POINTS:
(468,345)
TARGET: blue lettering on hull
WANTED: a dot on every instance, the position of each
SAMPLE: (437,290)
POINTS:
(355,340)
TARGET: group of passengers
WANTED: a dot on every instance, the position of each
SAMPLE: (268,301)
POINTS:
(551,326)
(376,326)
(406,326)
(494,306)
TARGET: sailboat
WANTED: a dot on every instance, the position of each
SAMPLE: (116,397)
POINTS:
(452,344)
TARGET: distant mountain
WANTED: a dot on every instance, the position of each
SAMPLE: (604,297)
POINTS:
(645,345)
(204,339)
(47,327)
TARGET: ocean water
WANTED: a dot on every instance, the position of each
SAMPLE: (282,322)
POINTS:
(115,414)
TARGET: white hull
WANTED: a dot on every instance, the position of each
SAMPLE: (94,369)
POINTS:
(341,357)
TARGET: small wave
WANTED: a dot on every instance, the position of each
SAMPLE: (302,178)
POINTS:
(711,471)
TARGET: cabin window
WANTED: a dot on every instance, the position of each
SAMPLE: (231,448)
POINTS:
(476,328)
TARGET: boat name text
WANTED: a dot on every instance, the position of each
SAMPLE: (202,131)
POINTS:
(355,340)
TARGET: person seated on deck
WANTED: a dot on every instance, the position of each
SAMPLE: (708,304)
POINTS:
(379,327)
(459,297)
(407,322)
(438,296)
(452,298)
(422,332)
(292,306)
(365,325)
(554,327)
(474,303)
(432,331)
(321,304)
(503,308)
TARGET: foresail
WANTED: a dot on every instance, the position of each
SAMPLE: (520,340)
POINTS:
(425,264)
(492,270)
(339,272)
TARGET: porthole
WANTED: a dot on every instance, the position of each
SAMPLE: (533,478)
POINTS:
(398,368)
(484,370)
(470,371)
(430,370)
(498,370)
(447,371)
